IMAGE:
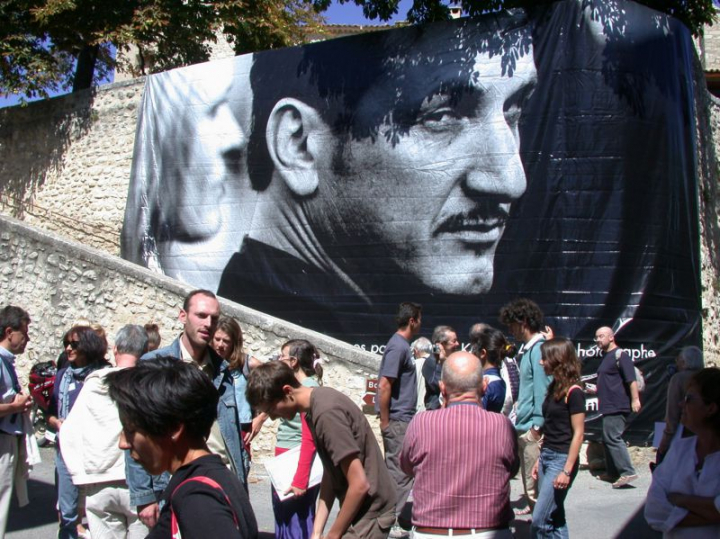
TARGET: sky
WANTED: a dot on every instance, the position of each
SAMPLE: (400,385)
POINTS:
(336,14)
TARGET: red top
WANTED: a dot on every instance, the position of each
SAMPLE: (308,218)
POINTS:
(307,453)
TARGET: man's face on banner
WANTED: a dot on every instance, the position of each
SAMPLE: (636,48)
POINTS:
(436,192)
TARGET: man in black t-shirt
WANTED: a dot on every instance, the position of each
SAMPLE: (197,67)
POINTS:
(618,395)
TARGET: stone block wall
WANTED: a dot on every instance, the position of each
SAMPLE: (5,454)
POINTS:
(65,162)
(59,281)
(709,47)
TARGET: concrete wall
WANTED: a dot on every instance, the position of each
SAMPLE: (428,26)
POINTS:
(58,281)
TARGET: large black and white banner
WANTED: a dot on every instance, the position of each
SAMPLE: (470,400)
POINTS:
(548,155)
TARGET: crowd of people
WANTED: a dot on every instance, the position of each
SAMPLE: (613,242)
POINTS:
(157,442)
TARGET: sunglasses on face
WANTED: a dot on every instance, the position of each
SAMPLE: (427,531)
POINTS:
(73,344)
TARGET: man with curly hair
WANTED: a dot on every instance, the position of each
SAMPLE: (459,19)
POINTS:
(524,320)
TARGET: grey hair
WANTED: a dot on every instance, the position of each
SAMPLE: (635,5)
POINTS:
(422,345)
(132,339)
(458,381)
(691,358)
(440,334)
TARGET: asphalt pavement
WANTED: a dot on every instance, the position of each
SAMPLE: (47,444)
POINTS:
(594,509)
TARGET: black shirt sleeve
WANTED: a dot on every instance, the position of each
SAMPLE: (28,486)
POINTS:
(202,510)
(576,401)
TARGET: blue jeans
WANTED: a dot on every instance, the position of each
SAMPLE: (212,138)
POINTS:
(67,500)
(548,518)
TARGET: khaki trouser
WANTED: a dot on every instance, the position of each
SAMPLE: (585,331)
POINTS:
(9,451)
(529,450)
(109,513)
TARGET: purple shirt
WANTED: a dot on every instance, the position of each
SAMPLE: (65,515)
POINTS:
(462,458)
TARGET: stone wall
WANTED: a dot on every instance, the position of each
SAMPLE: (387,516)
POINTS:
(65,162)
(58,281)
(708,133)
(709,47)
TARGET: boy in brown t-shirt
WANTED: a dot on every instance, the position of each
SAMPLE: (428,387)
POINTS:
(355,471)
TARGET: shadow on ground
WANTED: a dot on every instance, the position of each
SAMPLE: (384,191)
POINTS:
(637,528)
(40,512)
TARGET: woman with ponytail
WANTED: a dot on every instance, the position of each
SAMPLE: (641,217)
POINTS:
(491,347)
(294,517)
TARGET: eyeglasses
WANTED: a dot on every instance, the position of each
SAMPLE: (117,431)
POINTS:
(73,344)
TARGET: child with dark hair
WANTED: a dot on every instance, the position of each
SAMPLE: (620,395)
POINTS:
(167,408)
(354,469)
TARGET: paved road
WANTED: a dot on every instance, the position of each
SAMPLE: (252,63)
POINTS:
(594,509)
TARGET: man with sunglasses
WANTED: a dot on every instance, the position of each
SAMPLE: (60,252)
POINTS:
(14,323)
(618,396)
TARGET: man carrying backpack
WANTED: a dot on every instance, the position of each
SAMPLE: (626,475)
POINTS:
(618,396)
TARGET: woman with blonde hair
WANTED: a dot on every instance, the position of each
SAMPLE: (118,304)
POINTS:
(227,341)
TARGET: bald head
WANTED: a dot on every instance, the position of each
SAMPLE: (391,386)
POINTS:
(461,374)
(605,339)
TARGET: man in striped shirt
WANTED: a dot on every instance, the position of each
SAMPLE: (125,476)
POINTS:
(462,458)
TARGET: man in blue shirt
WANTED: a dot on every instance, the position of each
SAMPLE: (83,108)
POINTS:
(14,323)
(397,396)
(618,395)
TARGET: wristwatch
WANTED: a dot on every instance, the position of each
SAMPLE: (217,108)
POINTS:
(568,473)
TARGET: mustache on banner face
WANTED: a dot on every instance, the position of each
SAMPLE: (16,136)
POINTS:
(486,216)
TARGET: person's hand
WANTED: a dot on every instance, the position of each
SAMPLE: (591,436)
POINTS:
(562,481)
(297,492)
(534,472)
(257,424)
(384,424)
(591,389)
(23,403)
(535,433)
(548,333)
(636,406)
(148,514)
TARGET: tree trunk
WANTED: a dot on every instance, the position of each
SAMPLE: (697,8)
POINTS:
(85,67)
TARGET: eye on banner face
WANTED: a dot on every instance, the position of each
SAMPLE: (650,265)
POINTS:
(547,155)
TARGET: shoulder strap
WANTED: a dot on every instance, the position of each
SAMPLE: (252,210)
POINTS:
(567,395)
(174,527)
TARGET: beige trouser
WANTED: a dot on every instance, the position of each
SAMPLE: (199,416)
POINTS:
(529,450)
(109,513)
(9,450)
